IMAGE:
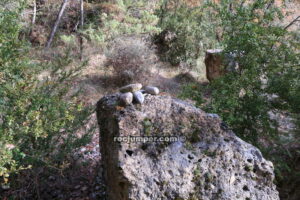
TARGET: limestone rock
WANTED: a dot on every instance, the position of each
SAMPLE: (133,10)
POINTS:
(138,97)
(151,90)
(126,98)
(213,163)
(131,88)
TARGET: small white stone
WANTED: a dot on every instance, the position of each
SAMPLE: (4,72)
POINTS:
(152,90)
(138,97)
(126,98)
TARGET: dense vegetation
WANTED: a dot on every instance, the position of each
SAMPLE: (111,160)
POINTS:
(264,50)
(40,119)
(37,124)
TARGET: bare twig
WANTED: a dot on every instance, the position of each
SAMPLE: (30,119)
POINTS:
(54,28)
(76,26)
(297,19)
(230,7)
(270,4)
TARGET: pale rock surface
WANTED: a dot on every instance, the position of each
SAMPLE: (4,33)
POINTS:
(131,88)
(151,90)
(212,164)
(126,98)
(138,97)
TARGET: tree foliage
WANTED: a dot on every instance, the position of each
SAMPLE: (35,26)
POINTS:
(37,121)
(192,30)
(267,79)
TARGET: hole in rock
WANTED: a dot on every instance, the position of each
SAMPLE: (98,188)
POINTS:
(245,188)
(129,152)
(254,170)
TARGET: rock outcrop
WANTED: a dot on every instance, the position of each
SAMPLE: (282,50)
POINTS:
(206,160)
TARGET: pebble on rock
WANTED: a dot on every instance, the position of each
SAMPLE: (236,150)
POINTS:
(126,98)
(138,97)
(152,90)
(131,88)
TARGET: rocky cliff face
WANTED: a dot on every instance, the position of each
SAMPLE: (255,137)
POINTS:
(208,161)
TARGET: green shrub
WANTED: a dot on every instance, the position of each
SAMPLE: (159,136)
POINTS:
(264,49)
(131,20)
(132,60)
(193,92)
(193,30)
(38,119)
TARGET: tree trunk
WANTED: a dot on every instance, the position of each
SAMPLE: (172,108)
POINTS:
(54,28)
(81,27)
(214,64)
(34,13)
(33,18)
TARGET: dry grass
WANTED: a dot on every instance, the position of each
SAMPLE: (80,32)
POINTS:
(132,60)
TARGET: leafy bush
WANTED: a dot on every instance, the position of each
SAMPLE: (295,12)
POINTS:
(131,59)
(130,19)
(38,121)
(264,50)
(192,31)
(193,92)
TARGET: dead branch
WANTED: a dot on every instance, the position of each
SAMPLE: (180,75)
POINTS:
(54,28)
(297,19)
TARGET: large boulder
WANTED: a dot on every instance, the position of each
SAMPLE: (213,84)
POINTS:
(205,159)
